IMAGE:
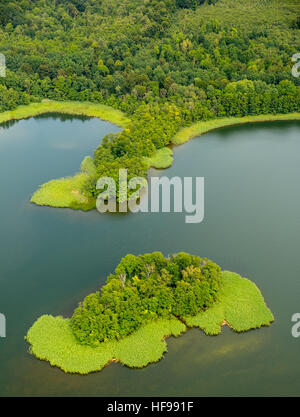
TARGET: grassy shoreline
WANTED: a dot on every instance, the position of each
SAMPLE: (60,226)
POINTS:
(67,107)
(65,192)
(240,304)
(199,128)
(163,158)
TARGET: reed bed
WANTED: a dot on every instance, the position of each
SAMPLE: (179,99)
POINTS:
(161,159)
(240,304)
(67,107)
(197,129)
(52,339)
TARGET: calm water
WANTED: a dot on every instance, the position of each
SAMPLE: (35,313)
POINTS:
(51,258)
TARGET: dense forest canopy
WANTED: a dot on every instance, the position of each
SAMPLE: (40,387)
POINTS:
(146,49)
(166,63)
(144,288)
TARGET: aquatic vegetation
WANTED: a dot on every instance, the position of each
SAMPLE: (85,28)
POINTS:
(64,192)
(45,106)
(69,191)
(161,159)
(197,129)
(51,339)
(239,303)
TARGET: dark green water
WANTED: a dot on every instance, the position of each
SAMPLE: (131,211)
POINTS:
(51,258)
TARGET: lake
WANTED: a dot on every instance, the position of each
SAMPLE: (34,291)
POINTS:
(51,258)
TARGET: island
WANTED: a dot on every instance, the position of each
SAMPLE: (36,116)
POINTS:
(147,299)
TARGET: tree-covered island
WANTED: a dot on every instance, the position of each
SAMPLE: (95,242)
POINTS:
(148,298)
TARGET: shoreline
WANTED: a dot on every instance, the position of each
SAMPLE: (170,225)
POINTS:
(163,158)
(76,108)
(199,128)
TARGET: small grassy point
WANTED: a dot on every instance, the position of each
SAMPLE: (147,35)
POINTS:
(161,159)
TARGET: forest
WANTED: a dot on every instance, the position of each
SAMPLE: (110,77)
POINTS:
(165,63)
(145,288)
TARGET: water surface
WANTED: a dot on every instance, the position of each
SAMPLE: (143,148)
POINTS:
(51,258)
